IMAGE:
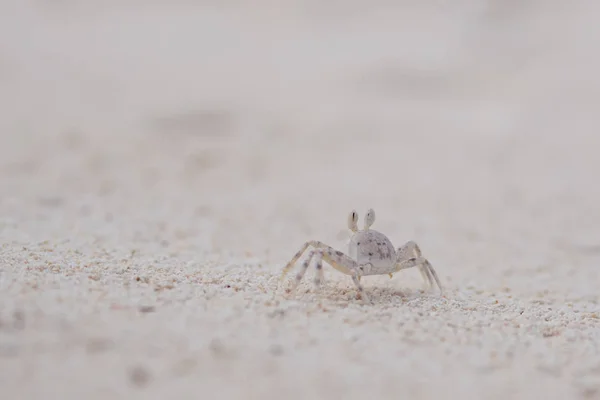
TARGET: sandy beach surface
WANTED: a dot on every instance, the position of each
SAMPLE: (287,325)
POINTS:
(160,162)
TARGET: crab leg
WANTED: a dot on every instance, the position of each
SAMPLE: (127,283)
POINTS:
(344,264)
(290,264)
(422,263)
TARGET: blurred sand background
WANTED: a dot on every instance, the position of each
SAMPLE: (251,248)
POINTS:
(161,161)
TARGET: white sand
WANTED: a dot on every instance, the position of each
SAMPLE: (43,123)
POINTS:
(160,163)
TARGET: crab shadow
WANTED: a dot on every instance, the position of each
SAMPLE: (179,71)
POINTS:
(374,295)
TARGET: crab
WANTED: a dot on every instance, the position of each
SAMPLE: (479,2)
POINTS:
(369,253)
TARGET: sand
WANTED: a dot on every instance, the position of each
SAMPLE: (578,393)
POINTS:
(161,161)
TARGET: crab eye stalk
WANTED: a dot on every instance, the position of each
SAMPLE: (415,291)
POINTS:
(369,218)
(353,221)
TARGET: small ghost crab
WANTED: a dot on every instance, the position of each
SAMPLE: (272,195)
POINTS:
(369,253)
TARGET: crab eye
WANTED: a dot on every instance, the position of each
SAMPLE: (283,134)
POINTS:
(352,220)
